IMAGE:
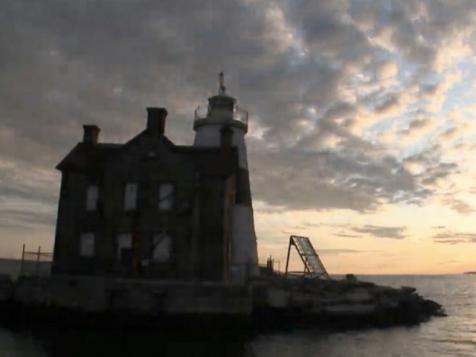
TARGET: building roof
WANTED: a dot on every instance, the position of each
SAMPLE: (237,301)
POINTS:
(86,156)
(208,160)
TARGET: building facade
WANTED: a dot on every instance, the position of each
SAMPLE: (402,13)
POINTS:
(152,209)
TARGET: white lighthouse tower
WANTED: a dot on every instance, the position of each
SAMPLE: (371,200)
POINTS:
(222,112)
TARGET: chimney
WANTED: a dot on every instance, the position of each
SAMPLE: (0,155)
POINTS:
(91,134)
(156,120)
(226,139)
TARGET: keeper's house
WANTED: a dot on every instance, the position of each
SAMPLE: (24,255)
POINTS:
(152,209)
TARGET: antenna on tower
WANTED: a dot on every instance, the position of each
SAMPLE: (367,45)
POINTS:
(221,81)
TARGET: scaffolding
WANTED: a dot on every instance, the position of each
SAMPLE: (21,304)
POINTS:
(313,266)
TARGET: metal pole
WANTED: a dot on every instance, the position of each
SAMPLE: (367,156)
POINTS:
(22,259)
(196,228)
(38,261)
(287,259)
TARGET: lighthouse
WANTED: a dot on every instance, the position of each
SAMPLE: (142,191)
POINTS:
(209,124)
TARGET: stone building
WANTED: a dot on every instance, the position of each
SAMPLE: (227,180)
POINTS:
(152,209)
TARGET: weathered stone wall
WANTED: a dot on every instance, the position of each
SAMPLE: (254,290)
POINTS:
(99,294)
(268,303)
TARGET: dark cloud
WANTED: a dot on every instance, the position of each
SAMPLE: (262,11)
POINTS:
(435,172)
(452,238)
(429,156)
(393,232)
(459,205)
(331,179)
(438,172)
(339,251)
(382,231)
(68,63)
(19,183)
(387,103)
(416,125)
(10,218)
(311,224)
(346,235)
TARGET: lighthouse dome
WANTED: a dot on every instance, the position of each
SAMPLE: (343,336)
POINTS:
(221,110)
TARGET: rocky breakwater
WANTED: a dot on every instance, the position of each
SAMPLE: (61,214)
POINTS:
(338,304)
(273,302)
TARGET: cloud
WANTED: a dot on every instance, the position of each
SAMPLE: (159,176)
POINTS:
(343,234)
(339,251)
(437,172)
(450,237)
(316,77)
(393,232)
(330,179)
(459,206)
(382,231)
(421,125)
(387,103)
(28,183)
(25,219)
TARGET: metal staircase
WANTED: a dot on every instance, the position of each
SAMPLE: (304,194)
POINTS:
(313,266)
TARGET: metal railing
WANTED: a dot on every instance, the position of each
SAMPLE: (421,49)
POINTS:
(201,112)
(238,114)
(35,263)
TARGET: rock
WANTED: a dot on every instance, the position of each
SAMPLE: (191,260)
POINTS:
(278,298)
(359,295)
(348,303)
(349,309)
(407,289)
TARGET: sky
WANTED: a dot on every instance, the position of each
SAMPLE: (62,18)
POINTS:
(362,114)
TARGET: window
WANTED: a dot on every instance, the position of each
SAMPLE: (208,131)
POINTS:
(130,197)
(166,196)
(92,195)
(124,248)
(161,249)
(86,245)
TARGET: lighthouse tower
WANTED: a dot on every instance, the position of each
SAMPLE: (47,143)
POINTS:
(222,112)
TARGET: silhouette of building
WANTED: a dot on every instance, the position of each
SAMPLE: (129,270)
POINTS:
(152,209)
